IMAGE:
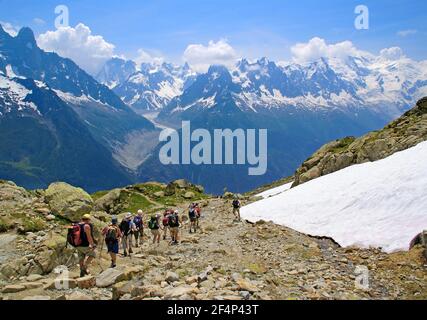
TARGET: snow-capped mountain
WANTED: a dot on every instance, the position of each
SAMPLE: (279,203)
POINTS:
(379,84)
(59,123)
(148,87)
(387,84)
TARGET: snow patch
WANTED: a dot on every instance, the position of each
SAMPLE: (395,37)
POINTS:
(379,204)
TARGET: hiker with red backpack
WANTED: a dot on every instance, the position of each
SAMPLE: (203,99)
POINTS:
(127,228)
(112,235)
(139,224)
(80,236)
(165,223)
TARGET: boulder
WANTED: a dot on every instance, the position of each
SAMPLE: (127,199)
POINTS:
(189,195)
(67,201)
(112,276)
(13,288)
(159,194)
(181,291)
(125,288)
(12,197)
(110,202)
(86,282)
(172,277)
(34,277)
(246,285)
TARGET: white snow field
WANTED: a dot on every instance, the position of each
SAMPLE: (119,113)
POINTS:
(275,191)
(377,204)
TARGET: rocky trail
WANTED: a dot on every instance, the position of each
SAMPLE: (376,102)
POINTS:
(234,261)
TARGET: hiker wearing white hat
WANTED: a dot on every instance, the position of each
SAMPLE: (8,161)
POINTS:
(128,228)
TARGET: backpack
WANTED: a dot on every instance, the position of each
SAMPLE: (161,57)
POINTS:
(198,212)
(236,204)
(166,221)
(111,235)
(152,224)
(138,222)
(74,237)
(173,221)
(125,227)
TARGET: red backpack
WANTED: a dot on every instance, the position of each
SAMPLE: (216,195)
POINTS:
(166,221)
(74,235)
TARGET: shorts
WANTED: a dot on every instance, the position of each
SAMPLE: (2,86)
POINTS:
(193,218)
(155,232)
(84,252)
(113,247)
(175,229)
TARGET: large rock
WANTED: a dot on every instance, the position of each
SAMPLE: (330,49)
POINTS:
(112,276)
(111,202)
(13,288)
(67,201)
(86,282)
(181,291)
(12,197)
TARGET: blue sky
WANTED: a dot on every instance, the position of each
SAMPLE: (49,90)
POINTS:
(253,28)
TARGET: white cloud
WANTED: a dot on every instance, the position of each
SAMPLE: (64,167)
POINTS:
(145,57)
(39,21)
(405,33)
(317,48)
(9,28)
(201,57)
(393,53)
(89,51)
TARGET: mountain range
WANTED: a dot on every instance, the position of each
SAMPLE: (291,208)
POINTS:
(302,106)
(59,123)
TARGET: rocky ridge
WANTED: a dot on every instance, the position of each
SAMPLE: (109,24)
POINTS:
(401,134)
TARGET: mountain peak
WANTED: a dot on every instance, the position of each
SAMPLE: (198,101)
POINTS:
(27,35)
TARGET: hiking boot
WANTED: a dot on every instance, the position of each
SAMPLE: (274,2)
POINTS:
(83,273)
(125,254)
(130,251)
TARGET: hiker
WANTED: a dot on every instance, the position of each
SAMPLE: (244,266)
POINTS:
(165,223)
(112,235)
(127,228)
(174,224)
(236,209)
(87,246)
(154,225)
(139,224)
(193,218)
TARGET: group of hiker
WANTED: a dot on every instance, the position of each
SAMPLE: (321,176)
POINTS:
(130,229)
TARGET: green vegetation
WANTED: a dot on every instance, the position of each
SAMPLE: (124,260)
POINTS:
(98,195)
(33,225)
(343,144)
(5,224)
(135,201)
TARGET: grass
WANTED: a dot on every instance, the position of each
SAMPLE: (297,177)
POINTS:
(5,224)
(137,201)
(33,225)
(343,144)
(98,195)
